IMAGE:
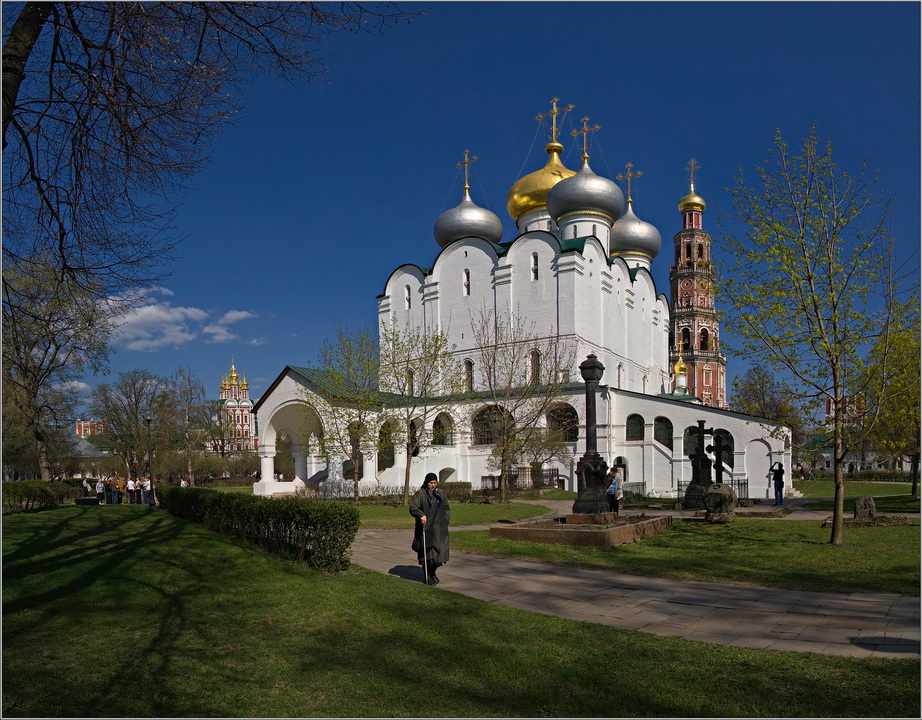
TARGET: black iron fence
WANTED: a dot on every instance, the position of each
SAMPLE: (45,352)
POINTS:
(740,487)
(527,478)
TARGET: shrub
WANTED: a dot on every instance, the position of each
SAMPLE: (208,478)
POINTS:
(317,532)
(25,495)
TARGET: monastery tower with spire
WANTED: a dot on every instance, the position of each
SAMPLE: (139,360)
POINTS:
(694,335)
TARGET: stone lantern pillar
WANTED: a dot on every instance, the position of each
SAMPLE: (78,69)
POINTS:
(591,468)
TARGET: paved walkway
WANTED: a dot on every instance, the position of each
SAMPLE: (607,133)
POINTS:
(854,624)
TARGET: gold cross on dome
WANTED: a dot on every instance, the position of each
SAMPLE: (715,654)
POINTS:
(691,167)
(628,175)
(467,167)
(553,114)
(585,131)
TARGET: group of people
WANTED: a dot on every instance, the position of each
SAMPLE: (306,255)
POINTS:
(113,489)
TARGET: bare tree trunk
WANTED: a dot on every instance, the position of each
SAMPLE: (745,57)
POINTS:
(16,51)
(838,509)
(406,478)
(43,466)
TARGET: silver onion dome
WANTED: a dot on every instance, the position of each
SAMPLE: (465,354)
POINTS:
(632,236)
(585,192)
(466,220)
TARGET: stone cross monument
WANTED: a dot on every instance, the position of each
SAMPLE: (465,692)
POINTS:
(591,468)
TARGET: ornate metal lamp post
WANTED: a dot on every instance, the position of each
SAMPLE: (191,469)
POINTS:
(150,461)
(591,468)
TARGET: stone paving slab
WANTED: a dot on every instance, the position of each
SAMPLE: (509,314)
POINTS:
(851,625)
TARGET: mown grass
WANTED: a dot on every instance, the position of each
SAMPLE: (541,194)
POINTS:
(388,517)
(790,554)
(853,489)
(125,612)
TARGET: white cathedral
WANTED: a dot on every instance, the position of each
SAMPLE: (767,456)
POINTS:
(578,272)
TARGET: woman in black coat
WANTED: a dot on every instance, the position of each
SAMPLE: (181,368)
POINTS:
(430,508)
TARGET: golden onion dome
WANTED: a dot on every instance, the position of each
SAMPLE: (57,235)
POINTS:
(692,201)
(680,368)
(530,192)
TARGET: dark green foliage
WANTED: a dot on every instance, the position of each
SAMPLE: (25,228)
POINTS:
(316,532)
(31,495)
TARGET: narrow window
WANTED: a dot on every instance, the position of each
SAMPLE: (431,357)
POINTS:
(410,380)
(534,266)
(704,342)
(406,296)
(574,231)
(535,367)
(467,282)
(469,375)
(593,229)
(686,340)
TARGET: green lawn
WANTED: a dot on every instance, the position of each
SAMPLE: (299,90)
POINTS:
(389,517)
(121,611)
(791,554)
(827,488)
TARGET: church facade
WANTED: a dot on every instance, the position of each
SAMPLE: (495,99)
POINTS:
(578,274)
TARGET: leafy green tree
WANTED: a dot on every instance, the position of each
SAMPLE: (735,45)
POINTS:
(812,283)
(759,393)
(895,381)
(424,376)
(51,337)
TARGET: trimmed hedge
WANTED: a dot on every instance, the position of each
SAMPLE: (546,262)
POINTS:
(317,532)
(24,495)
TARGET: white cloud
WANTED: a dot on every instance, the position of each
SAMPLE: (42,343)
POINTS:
(157,324)
(232,316)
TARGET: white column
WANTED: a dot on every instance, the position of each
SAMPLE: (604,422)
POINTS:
(300,458)
(267,465)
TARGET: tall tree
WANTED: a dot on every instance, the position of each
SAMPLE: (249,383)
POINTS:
(419,367)
(107,108)
(107,105)
(123,406)
(189,405)
(896,433)
(349,366)
(522,374)
(759,393)
(813,282)
(51,336)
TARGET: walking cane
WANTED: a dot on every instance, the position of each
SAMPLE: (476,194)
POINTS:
(425,560)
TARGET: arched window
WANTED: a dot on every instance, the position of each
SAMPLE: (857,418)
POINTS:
(563,423)
(700,251)
(535,375)
(662,431)
(634,429)
(469,375)
(686,339)
(385,447)
(466,282)
(704,339)
(410,383)
(534,266)
(406,296)
(442,430)
(488,426)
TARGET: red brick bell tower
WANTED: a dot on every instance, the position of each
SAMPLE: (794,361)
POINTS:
(695,325)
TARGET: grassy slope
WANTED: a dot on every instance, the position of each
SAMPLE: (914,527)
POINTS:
(120,611)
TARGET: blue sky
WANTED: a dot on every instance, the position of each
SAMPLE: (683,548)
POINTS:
(323,189)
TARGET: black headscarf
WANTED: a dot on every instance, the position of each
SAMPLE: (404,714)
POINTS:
(429,478)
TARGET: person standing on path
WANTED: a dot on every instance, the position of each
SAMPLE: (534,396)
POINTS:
(430,508)
(777,471)
(615,493)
